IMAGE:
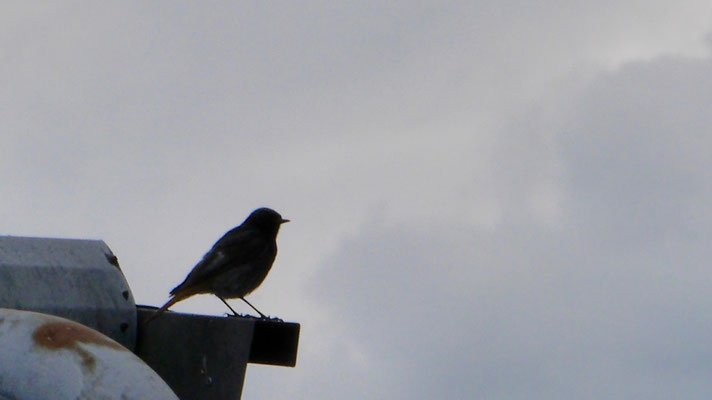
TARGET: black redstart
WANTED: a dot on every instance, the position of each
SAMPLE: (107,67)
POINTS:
(237,264)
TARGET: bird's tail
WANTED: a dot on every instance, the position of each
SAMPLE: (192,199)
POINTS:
(178,296)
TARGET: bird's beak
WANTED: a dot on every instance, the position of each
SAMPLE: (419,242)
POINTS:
(283,221)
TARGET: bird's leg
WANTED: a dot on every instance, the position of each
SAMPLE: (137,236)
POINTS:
(228,306)
(253,307)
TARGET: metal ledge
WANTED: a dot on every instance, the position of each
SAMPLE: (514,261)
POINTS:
(205,357)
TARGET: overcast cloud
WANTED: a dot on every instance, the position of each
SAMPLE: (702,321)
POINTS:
(503,200)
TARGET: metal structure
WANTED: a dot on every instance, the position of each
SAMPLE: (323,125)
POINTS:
(76,279)
(47,357)
(204,357)
(199,357)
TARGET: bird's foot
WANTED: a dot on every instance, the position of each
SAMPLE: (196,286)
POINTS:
(236,315)
(262,318)
(273,319)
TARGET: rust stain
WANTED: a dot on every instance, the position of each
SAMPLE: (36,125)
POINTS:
(88,361)
(66,335)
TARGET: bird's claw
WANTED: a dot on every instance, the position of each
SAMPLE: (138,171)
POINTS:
(262,318)
(236,315)
(273,319)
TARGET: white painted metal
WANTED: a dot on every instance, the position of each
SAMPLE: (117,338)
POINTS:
(47,357)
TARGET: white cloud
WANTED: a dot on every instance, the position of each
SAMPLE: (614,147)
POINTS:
(610,304)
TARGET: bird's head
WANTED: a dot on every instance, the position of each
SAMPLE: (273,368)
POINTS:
(265,219)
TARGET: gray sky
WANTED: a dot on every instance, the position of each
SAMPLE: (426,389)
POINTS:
(490,200)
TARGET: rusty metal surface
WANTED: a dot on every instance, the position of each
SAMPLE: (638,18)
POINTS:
(47,357)
(76,279)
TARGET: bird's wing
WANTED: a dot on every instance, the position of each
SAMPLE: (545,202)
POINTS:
(235,249)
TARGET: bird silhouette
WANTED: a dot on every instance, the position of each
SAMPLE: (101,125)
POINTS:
(236,264)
